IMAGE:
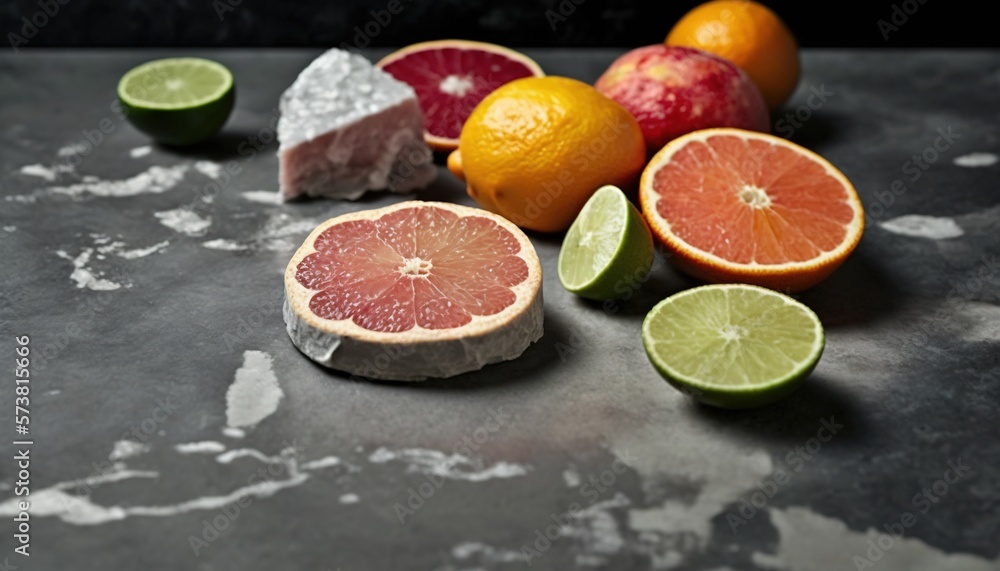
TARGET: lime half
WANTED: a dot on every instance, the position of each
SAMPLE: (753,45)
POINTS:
(178,101)
(608,250)
(733,345)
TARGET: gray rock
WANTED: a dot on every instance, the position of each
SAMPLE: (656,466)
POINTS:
(346,128)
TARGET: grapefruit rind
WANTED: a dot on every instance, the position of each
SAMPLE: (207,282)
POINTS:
(445,144)
(789,277)
(729,396)
(418,353)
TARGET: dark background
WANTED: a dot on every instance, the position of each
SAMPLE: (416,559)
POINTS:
(523,23)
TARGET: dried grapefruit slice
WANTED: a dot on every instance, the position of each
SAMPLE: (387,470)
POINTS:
(742,206)
(414,290)
(451,77)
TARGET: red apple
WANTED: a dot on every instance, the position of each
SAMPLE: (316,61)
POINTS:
(675,90)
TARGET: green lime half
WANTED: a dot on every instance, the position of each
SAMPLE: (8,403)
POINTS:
(733,345)
(608,249)
(178,101)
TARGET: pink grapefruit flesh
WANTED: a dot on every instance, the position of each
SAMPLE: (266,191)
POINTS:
(451,77)
(445,288)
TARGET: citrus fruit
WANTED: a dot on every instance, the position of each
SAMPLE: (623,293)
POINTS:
(749,35)
(414,290)
(672,91)
(741,206)
(733,345)
(537,148)
(451,77)
(177,101)
(608,249)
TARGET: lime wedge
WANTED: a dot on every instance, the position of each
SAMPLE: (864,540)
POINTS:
(608,249)
(733,345)
(178,101)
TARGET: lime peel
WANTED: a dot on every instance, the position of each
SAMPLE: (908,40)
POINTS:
(608,245)
(733,345)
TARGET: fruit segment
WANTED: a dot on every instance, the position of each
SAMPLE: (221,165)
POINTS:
(346,128)
(608,250)
(414,290)
(733,345)
(740,206)
(451,77)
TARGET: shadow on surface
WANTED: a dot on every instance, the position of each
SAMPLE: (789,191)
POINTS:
(811,133)
(543,354)
(663,281)
(224,146)
(795,419)
(858,292)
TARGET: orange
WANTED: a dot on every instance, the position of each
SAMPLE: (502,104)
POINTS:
(745,207)
(537,148)
(749,35)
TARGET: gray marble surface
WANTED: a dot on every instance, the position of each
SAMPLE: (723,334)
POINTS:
(144,330)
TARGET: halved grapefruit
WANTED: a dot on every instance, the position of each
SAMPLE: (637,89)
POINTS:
(414,290)
(451,77)
(746,207)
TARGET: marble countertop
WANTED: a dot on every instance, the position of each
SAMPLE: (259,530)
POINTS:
(176,427)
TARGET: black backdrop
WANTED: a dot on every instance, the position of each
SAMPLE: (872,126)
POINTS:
(524,23)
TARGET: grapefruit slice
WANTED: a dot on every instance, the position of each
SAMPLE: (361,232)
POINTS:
(414,290)
(451,77)
(747,207)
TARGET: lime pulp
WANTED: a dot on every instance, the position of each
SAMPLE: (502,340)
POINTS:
(607,249)
(733,345)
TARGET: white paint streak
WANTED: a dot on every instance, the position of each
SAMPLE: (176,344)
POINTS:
(209,169)
(919,226)
(977,321)
(974,160)
(349,499)
(255,392)
(571,477)
(721,467)
(320,463)
(184,221)
(40,171)
(80,510)
(454,466)
(807,537)
(127,449)
(272,237)
(262,196)
(226,245)
(142,252)
(766,560)
(229,456)
(203,447)
(22,198)
(140,151)
(10,228)
(154,180)
(83,276)
(487,554)
(597,531)
(233,432)
(73,149)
